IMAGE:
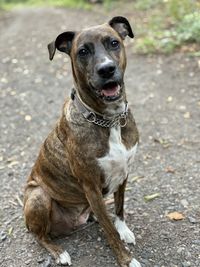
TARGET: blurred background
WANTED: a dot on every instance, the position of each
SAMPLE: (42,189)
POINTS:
(167,25)
(163,88)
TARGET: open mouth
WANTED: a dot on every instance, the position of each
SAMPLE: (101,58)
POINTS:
(111,91)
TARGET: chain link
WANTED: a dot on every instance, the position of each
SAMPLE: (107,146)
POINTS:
(92,117)
(120,120)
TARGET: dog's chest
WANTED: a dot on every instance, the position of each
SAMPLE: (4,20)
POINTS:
(117,162)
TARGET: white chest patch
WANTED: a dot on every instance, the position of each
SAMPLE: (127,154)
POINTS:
(116,164)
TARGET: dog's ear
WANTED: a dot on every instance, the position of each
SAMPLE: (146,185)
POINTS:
(122,26)
(63,43)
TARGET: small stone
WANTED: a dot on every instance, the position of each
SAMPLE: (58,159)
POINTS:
(182,107)
(196,242)
(191,74)
(180,250)
(144,262)
(27,262)
(99,239)
(38,80)
(47,263)
(40,260)
(151,95)
(158,72)
(12,93)
(187,115)
(3,236)
(26,71)
(192,219)
(28,118)
(169,99)
(5,60)
(14,60)
(4,80)
(184,202)
(164,121)
(186,264)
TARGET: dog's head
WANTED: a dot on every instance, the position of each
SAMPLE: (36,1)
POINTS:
(98,58)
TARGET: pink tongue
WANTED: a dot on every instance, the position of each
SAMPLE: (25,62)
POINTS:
(110,91)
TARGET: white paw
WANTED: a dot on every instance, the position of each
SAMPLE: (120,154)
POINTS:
(125,233)
(134,263)
(64,259)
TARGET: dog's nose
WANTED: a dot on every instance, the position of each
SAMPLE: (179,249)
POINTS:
(106,70)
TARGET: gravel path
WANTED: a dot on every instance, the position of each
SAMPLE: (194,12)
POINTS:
(164,92)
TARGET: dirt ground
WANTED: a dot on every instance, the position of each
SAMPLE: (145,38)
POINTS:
(164,93)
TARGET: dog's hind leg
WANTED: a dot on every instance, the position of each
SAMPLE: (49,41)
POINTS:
(37,211)
(61,257)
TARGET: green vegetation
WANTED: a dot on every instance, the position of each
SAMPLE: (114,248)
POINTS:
(160,25)
(168,25)
(189,28)
(9,4)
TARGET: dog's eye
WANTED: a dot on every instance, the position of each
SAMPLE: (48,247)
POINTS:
(114,44)
(83,52)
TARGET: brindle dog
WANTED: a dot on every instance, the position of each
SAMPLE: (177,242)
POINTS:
(89,153)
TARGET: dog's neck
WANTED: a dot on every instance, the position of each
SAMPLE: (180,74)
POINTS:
(107,119)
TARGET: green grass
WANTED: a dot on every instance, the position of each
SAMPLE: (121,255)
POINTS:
(169,25)
(9,4)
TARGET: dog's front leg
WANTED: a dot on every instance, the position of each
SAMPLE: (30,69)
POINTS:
(95,199)
(125,233)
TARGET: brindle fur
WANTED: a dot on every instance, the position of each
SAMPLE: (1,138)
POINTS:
(66,182)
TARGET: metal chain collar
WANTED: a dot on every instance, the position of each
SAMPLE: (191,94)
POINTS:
(98,119)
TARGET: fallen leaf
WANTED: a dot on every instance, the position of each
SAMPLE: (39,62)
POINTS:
(12,93)
(10,230)
(182,107)
(19,201)
(151,197)
(13,163)
(163,142)
(13,203)
(109,201)
(176,216)
(134,179)
(170,170)
(128,188)
(147,156)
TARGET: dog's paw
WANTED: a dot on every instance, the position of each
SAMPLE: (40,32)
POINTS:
(64,259)
(125,233)
(134,263)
